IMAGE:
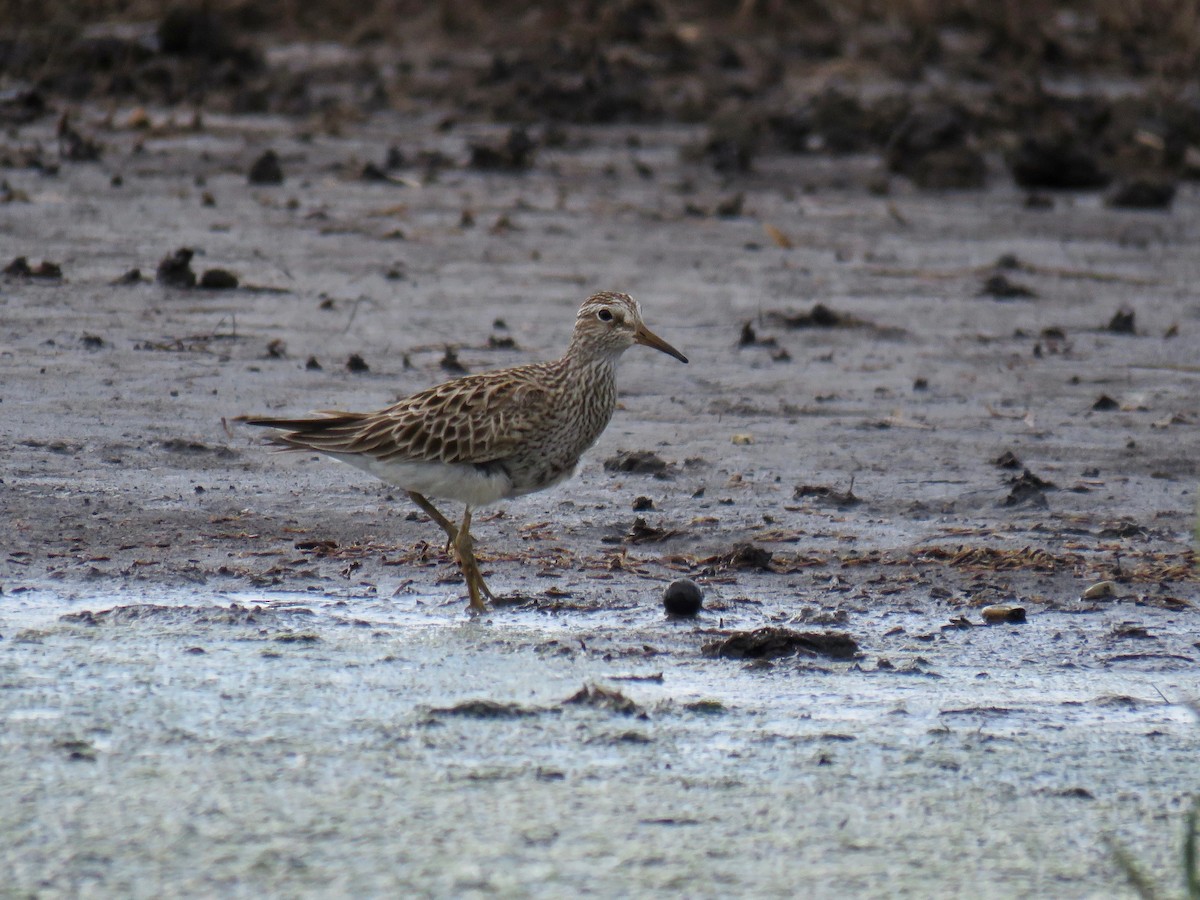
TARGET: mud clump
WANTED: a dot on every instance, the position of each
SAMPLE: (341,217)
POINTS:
(1027,488)
(1060,162)
(20,268)
(1124,321)
(934,148)
(1143,193)
(175,269)
(772,642)
(1001,287)
(820,316)
(514,154)
(1008,460)
(266,169)
(218,280)
(640,462)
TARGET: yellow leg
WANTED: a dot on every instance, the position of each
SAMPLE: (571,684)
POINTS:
(432,512)
(464,546)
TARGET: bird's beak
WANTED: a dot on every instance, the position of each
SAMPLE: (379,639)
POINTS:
(648,338)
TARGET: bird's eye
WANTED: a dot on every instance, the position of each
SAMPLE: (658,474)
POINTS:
(604,315)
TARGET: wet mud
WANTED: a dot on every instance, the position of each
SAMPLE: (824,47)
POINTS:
(933,467)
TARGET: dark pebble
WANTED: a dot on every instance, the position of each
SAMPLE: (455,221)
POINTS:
(682,598)
(357,364)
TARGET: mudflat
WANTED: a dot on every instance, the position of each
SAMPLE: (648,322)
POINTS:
(943,445)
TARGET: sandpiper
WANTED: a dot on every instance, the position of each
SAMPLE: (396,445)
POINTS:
(487,437)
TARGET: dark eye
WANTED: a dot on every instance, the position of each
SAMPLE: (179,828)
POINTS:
(604,315)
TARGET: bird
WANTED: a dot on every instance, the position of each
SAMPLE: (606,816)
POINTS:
(492,436)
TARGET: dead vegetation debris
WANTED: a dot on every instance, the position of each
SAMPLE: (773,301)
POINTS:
(771,642)
(828,494)
(741,556)
(234,614)
(609,699)
(483,709)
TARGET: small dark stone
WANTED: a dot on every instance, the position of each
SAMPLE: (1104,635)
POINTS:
(642,504)
(312,364)
(1105,403)
(133,276)
(683,598)
(175,270)
(357,364)
(92,341)
(921,384)
(1142,193)
(1122,322)
(218,280)
(266,169)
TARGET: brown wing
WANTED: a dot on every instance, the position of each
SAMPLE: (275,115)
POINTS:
(476,419)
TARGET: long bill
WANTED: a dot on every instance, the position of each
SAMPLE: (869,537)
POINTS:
(648,338)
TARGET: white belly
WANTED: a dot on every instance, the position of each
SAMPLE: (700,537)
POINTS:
(446,481)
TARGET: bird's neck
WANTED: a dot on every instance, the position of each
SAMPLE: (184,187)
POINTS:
(586,360)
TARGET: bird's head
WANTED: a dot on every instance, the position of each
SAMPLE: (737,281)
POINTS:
(610,323)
